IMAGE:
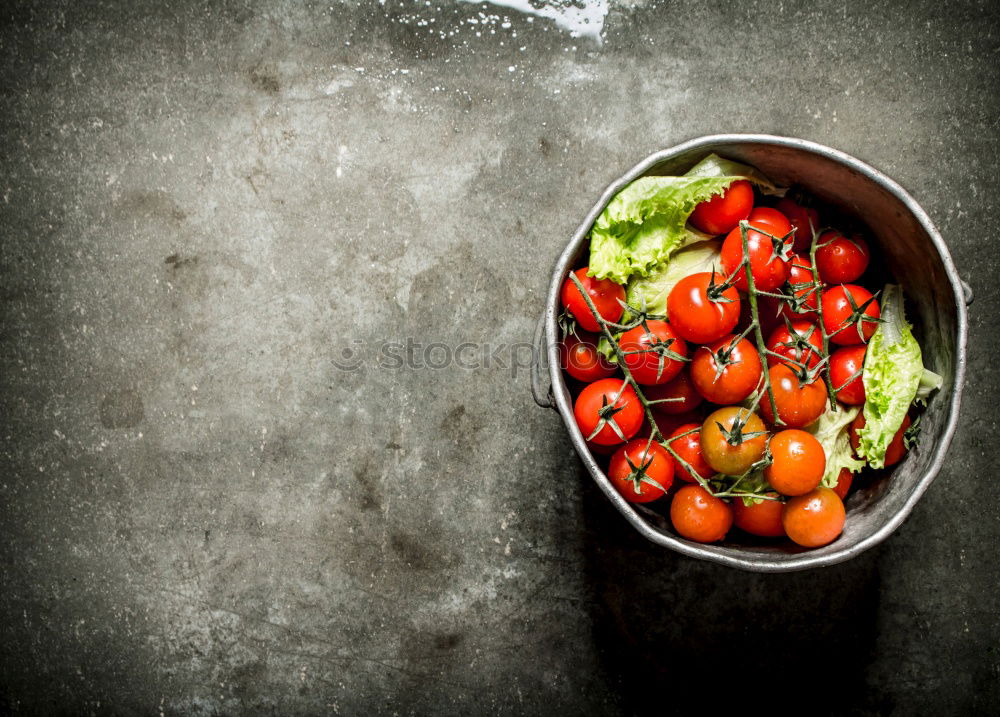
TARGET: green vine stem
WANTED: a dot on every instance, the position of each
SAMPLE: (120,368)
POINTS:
(646,404)
(654,429)
(755,321)
(817,287)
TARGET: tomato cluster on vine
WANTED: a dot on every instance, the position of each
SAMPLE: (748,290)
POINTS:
(695,410)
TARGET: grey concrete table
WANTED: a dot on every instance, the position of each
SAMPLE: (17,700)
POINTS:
(202,208)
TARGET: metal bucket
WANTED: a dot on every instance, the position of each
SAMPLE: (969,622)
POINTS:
(914,252)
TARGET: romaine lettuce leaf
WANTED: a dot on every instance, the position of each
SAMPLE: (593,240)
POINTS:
(929,383)
(892,375)
(655,288)
(645,223)
(830,429)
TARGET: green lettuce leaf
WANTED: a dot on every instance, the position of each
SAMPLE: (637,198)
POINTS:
(892,375)
(715,166)
(645,223)
(756,484)
(929,383)
(656,287)
(831,430)
(605,348)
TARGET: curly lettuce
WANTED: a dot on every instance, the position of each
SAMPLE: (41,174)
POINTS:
(646,222)
(893,376)
(831,430)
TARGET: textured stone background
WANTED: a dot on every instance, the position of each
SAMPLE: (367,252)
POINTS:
(202,515)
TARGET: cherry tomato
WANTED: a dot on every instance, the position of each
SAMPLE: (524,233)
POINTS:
(845,363)
(741,370)
(897,447)
(583,361)
(768,269)
(648,477)
(699,312)
(814,519)
(840,259)
(681,392)
(799,402)
(842,314)
(763,518)
(804,220)
(798,462)
(700,516)
(654,356)
(729,449)
(604,402)
(844,480)
(770,220)
(724,211)
(799,342)
(603,292)
(802,286)
(688,447)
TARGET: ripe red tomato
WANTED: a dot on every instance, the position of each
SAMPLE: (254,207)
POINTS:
(583,361)
(845,363)
(844,480)
(768,268)
(799,402)
(763,518)
(688,447)
(800,342)
(842,314)
(653,356)
(724,211)
(741,370)
(642,471)
(897,447)
(840,259)
(681,392)
(770,220)
(814,519)
(603,292)
(798,462)
(700,516)
(699,312)
(725,451)
(803,288)
(803,219)
(606,402)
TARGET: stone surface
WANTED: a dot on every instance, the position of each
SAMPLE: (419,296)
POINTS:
(206,210)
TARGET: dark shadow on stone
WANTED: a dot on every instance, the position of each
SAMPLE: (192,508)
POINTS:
(121,408)
(680,636)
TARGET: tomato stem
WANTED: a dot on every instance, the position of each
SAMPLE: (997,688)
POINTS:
(654,429)
(755,321)
(819,310)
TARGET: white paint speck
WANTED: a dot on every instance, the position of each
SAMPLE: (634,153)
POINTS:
(341,155)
